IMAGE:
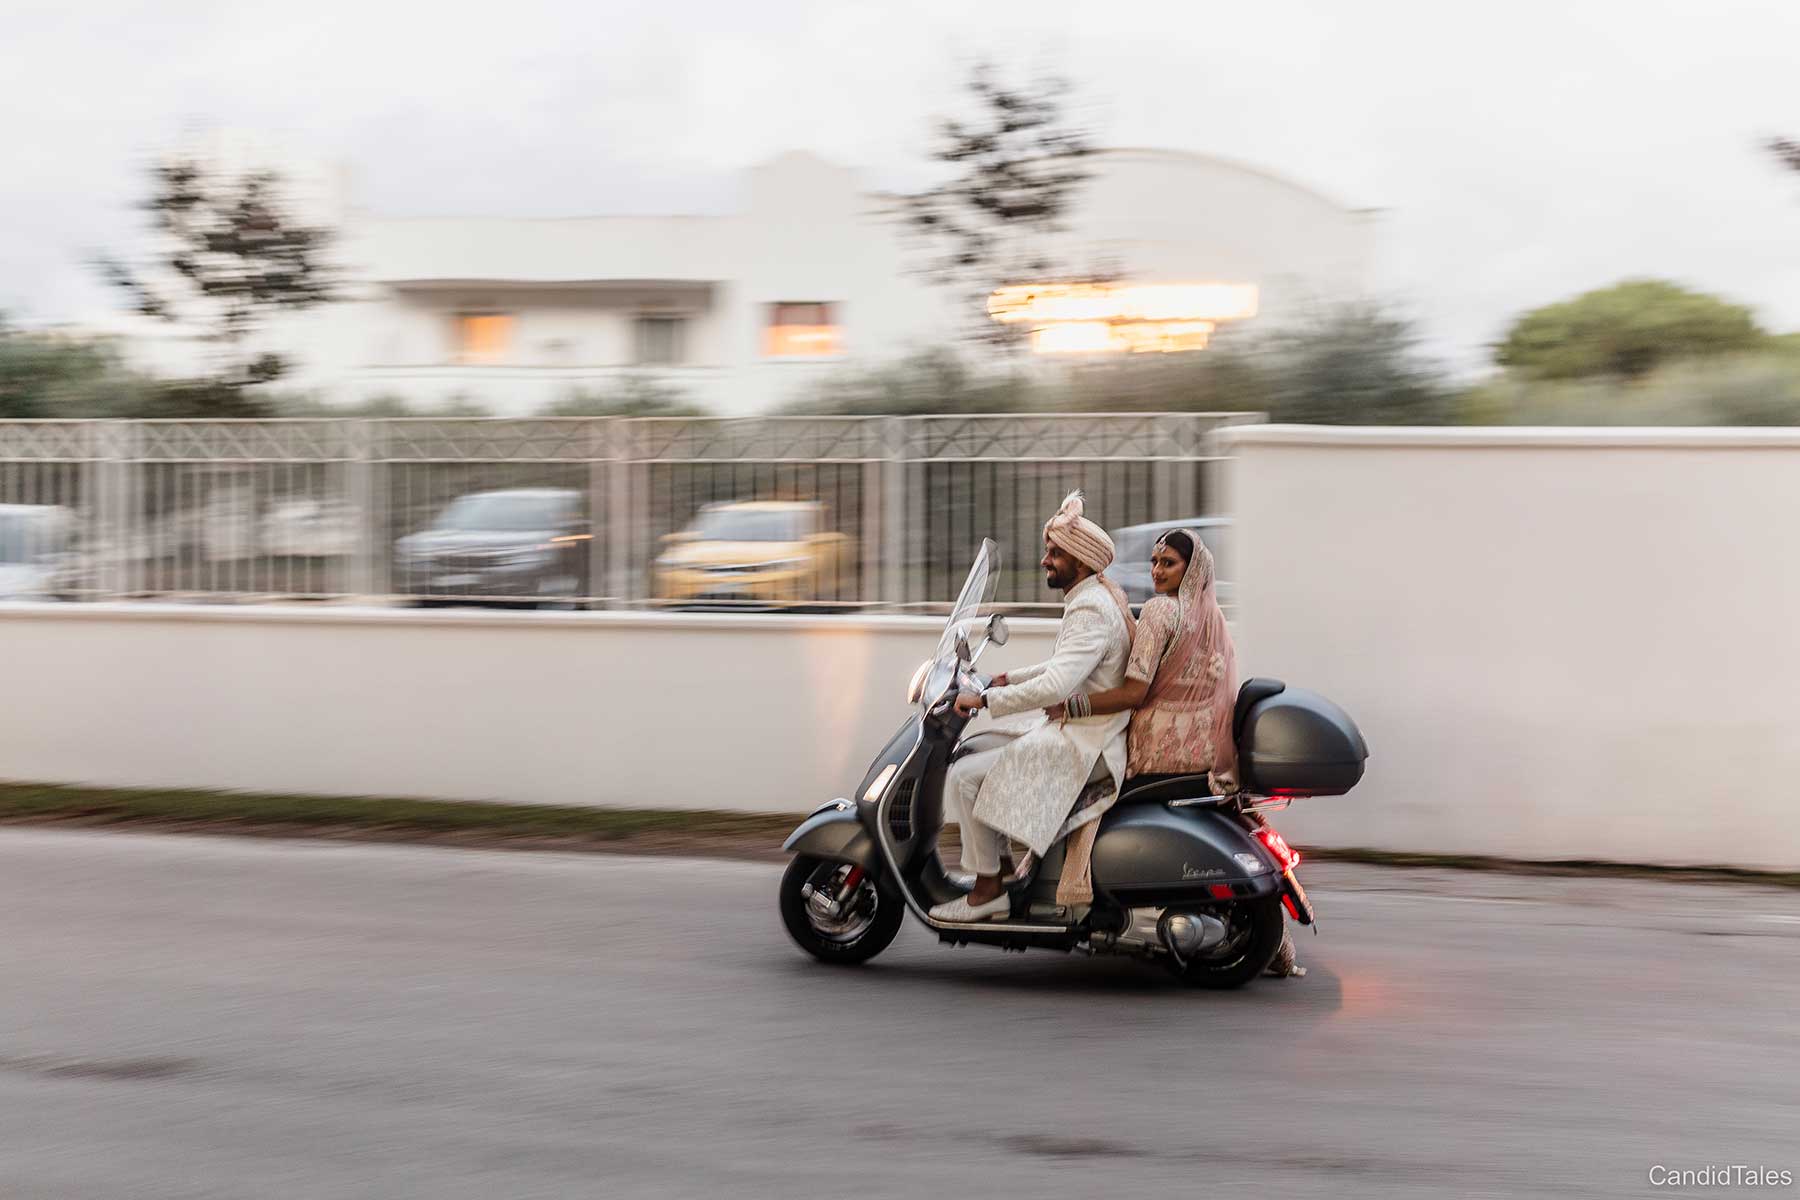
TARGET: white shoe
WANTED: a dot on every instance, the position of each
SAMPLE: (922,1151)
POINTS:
(960,909)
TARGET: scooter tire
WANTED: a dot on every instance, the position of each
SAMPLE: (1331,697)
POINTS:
(881,930)
(1266,929)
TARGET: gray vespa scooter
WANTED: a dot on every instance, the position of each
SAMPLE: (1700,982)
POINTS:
(1196,881)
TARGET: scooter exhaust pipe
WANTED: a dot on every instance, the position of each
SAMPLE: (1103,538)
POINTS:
(1189,934)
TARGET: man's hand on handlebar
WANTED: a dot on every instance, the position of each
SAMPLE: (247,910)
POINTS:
(967,703)
(998,680)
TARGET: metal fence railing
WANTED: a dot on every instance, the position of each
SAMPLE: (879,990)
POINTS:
(779,511)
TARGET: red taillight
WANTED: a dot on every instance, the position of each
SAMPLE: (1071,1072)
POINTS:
(1286,857)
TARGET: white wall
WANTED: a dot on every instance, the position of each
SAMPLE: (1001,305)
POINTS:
(563,341)
(1559,643)
(543,251)
(760,713)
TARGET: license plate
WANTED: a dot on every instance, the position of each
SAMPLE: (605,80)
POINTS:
(456,580)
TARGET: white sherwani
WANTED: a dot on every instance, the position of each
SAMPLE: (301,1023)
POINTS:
(1027,789)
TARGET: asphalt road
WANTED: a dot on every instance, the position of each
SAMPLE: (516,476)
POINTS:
(232,1018)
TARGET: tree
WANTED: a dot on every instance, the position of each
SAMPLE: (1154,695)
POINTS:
(1349,364)
(383,405)
(632,396)
(1018,168)
(925,382)
(45,375)
(1356,364)
(1786,152)
(1626,330)
(232,255)
(1758,389)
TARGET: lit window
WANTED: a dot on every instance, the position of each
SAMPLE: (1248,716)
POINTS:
(483,337)
(801,330)
(661,341)
(1121,318)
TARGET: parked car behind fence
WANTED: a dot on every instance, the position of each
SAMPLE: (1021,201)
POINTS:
(757,552)
(521,545)
(1132,546)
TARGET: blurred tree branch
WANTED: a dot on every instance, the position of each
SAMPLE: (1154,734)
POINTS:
(1786,152)
(1018,167)
(231,255)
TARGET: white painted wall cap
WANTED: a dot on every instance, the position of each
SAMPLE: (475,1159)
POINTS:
(1500,436)
(926,626)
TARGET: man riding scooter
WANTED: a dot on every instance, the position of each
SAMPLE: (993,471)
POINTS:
(1027,789)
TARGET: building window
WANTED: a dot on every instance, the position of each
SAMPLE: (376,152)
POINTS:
(802,330)
(1121,318)
(661,341)
(483,338)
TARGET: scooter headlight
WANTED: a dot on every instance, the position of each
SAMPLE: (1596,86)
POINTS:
(917,685)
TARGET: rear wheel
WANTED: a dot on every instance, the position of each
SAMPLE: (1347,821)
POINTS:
(1254,929)
(842,921)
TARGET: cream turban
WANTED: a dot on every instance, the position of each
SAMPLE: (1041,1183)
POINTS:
(1083,540)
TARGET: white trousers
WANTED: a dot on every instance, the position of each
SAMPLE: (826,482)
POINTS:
(962,783)
(982,846)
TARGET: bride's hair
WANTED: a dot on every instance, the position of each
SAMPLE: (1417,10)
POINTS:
(1180,543)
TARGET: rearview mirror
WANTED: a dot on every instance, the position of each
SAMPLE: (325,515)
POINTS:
(996,630)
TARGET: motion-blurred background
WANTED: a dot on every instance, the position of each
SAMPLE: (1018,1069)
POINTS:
(1463,334)
(676,313)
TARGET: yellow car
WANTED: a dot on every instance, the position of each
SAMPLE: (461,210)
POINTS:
(757,552)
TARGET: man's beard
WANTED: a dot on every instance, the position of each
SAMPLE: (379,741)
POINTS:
(1061,583)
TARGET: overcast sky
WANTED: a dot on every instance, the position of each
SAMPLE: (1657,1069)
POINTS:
(1521,151)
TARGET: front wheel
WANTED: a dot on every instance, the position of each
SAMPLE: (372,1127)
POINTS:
(846,920)
(1254,929)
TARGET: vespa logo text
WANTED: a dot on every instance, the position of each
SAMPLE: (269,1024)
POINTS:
(1192,872)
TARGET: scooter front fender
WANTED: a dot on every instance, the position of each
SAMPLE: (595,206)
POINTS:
(835,834)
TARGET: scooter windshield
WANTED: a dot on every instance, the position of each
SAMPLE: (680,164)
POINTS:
(977,593)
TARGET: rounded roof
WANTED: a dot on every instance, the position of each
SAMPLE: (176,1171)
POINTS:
(1198,158)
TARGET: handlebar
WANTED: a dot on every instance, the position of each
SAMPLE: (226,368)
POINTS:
(966,681)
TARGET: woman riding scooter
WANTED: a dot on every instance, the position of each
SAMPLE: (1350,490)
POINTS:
(1180,686)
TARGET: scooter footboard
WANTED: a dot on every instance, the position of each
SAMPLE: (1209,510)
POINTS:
(835,834)
(1152,855)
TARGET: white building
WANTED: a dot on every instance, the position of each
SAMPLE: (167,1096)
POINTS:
(745,310)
